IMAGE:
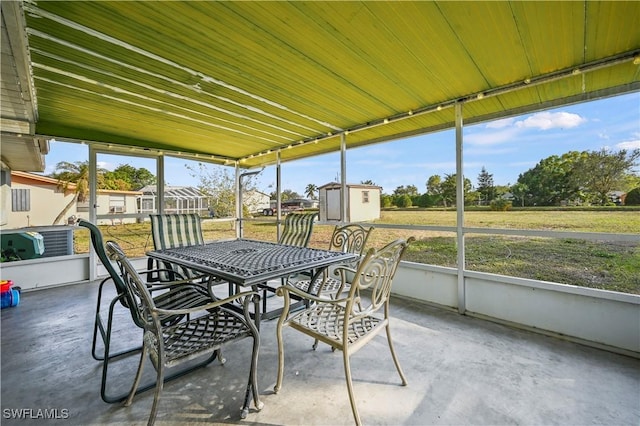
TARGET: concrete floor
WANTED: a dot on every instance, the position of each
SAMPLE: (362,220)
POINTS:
(461,371)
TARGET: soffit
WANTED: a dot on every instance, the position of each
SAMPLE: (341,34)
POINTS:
(240,81)
(20,150)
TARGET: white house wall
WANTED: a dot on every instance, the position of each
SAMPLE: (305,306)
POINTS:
(104,206)
(45,204)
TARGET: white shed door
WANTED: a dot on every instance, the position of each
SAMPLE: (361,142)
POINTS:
(333,204)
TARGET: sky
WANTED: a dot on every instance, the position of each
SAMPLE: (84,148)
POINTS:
(505,148)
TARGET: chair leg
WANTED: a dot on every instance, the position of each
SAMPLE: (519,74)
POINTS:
(98,325)
(352,398)
(159,387)
(278,385)
(136,381)
(105,333)
(395,357)
(108,356)
(252,385)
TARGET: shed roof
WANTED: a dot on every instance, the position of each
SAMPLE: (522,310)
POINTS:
(240,81)
(349,185)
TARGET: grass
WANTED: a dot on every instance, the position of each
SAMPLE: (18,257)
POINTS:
(596,264)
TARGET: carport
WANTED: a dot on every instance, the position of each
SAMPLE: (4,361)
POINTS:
(252,84)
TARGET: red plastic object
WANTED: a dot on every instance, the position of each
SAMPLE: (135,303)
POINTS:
(5,286)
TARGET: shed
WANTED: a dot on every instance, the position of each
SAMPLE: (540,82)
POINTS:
(363,202)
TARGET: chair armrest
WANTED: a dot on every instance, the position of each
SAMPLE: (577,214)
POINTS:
(284,291)
(208,306)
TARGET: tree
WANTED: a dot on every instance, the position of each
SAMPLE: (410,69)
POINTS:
(434,188)
(135,178)
(551,180)
(72,176)
(519,191)
(600,172)
(485,186)
(286,194)
(448,188)
(633,197)
(403,200)
(310,191)
(408,190)
(386,200)
(368,182)
(218,184)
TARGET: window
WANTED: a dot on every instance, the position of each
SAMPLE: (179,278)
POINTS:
(365,197)
(20,200)
(117,204)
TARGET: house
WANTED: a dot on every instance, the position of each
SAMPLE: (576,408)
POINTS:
(178,199)
(363,202)
(31,199)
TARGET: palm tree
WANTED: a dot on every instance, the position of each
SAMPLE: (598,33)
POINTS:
(310,191)
(72,177)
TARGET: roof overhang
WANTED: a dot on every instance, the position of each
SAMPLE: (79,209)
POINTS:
(241,82)
(20,149)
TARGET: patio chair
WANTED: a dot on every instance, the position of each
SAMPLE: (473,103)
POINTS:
(297,231)
(347,239)
(170,231)
(210,326)
(169,295)
(348,323)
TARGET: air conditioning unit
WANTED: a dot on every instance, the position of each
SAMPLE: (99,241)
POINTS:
(116,209)
(58,240)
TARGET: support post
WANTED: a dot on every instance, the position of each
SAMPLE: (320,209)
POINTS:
(278,196)
(160,184)
(343,179)
(93,211)
(460,209)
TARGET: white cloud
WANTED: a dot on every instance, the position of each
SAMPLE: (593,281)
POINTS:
(499,124)
(105,165)
(552,120)
(629,145)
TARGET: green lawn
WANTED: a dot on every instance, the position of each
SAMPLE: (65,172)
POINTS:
(596,264)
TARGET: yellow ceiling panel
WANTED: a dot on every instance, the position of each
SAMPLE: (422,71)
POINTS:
(244,80)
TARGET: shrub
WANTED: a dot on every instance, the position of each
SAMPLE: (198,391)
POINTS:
(385,201)
(500,205)
(403,201)
(633,197)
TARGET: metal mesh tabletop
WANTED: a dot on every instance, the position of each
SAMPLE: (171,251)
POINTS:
(247,261)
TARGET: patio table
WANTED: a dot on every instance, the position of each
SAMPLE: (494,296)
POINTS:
(251,263)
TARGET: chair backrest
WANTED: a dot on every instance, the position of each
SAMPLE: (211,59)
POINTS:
(176,230)
(349,238)
(375,274)
(138,296)
(297,229)
(98,246)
